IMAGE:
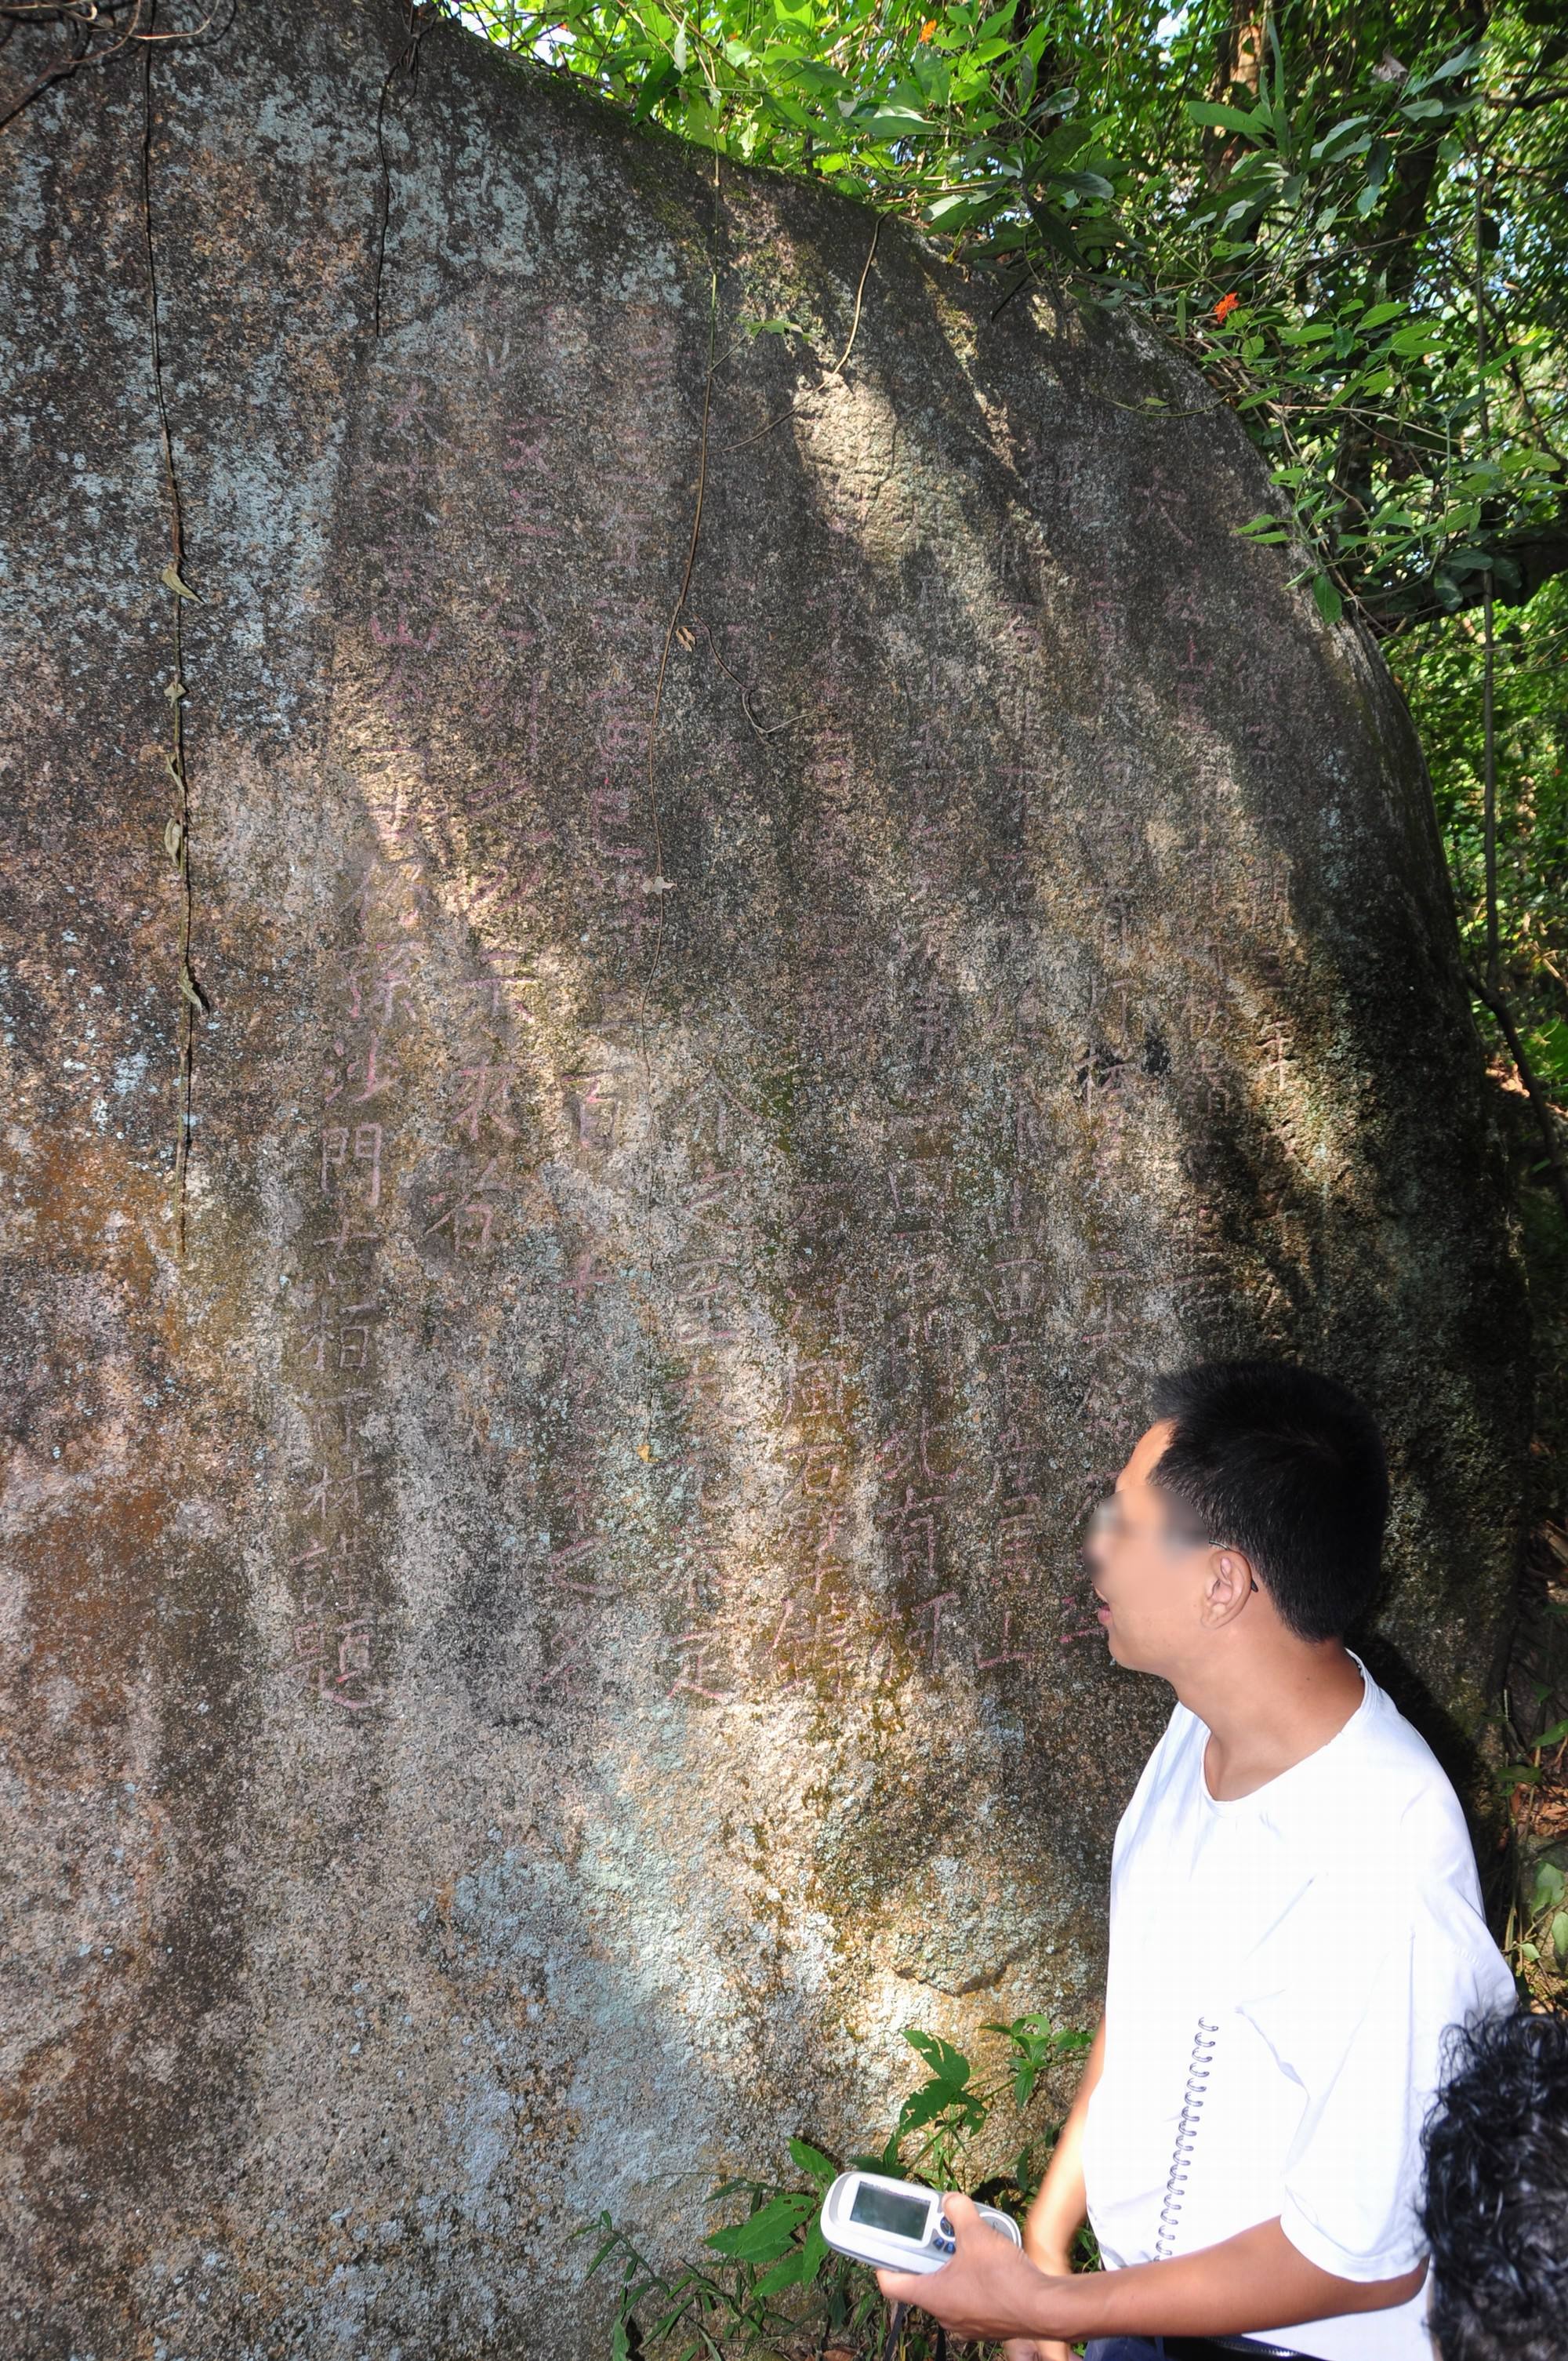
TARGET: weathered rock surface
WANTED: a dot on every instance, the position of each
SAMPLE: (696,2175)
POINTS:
(550,1627)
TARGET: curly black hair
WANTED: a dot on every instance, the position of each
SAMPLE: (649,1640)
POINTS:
(1496,2208)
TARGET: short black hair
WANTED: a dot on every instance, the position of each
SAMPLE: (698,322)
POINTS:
(1495,2212)
(1284,1466)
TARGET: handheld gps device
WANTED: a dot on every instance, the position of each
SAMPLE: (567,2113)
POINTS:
(894,2224)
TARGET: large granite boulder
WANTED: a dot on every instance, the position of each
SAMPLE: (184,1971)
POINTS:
(630,1034)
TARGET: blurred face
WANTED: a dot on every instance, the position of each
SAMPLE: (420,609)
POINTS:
(1162,1584)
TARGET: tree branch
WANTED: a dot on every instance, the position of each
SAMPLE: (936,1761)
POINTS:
(1523,561)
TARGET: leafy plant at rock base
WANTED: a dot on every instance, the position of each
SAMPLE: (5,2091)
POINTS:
(1535,1939)
(770,2281)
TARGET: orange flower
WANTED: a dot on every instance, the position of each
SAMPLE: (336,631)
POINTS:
(1225,306)
(929,29)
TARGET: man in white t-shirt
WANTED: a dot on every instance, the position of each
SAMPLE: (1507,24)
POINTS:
(1295,1921)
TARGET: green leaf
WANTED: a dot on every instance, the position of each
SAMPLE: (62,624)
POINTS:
(790,2273)
(1560,1937)
(891,122)
(923,2106)
(1460,562)
(1228,118)
(607,2246)
(1331,606)
(1460,62)
(955,212)
(948,2064)
(813,2163)
(1088,184)
(767,2233)
(657,85)
(1053,229)
(1548,1892)
(1319,148)
(1378,315)
(815,2253)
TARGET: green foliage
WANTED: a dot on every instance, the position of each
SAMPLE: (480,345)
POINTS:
(1036,2045)
(770,2281)
(1439,672)
(1536,1936)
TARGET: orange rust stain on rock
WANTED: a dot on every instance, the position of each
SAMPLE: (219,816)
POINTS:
(92,1582)
(86,1203)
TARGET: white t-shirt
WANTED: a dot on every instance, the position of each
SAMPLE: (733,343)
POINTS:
(1282,1968)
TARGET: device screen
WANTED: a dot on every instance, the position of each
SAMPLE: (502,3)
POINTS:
(887,2208)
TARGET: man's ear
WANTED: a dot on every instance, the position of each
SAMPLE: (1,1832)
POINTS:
(1227,1586)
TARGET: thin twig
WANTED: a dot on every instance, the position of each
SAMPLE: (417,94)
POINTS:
(1489,778)
(763,728)
(1028,276)
(59,73)
(1488,660)
(838,367)
(1545,1122)
(84,20)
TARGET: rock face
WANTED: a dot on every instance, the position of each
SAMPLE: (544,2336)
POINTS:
(780,912)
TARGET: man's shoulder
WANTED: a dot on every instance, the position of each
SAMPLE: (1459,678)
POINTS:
(1387,1759)
(1390,1795)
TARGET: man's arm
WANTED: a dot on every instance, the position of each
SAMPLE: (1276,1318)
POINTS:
(1254,2281)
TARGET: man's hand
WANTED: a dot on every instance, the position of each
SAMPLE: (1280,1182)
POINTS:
(1055,2263)
(988,2290)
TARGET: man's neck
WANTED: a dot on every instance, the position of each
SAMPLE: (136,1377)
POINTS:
(1266,1713)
